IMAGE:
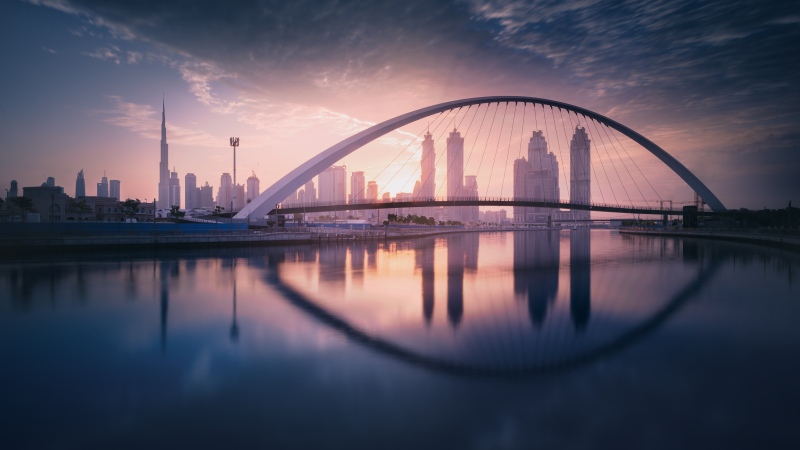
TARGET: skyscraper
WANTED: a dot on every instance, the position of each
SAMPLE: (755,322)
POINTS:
(253,187)
(206,196)
(114,187)
(164,189)
(536,179)
(470,213)
(310,195)
(192,193)
(102,187)
(332,187)
(174,190)
(427,187)
(455,172)
(225,192)
(372,191)
(80,185)
(579,179)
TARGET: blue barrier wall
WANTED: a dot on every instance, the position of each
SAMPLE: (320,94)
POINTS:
(97,228)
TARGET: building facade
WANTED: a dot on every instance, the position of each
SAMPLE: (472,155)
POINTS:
(536,178)
(80,185)
(580,171)
(332,187)
(192,193)
(114,189)
(164,190)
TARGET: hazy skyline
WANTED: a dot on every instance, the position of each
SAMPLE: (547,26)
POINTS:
(713,83)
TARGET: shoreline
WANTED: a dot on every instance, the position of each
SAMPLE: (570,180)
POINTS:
(775,240)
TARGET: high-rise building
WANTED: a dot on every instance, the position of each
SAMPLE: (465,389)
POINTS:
(310,192)
(175,189)
(207,196)
(427,180)
(372,191)
(12,191)
(332,185)
(470,213)
(579,179)
(225,192)
(80,185)
(165,190)
(239,199)
(102,187)
(357,191)
(536,179)
(113,189)
(253,187)
(455,172)
(192,194)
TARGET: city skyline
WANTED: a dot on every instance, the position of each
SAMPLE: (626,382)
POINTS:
(700,84)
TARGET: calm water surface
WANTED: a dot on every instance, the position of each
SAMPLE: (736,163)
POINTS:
(539,339)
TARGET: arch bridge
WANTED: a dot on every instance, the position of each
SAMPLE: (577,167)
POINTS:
(269,200)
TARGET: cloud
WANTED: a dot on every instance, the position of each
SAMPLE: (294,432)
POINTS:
(145,121)
(110,53)
(49,50)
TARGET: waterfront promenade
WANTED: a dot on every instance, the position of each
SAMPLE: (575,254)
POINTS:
(789,239)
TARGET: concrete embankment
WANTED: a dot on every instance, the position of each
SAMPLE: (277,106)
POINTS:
(21,242)
(774,238)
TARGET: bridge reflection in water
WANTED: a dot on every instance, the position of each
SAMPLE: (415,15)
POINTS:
(484,333)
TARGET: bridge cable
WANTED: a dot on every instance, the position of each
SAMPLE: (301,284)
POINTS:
(602,164)
(419,167)
(619,156)
(497,146)
(444,154)
(488,137)
(398,171)
(398,155)
(591,165)
(640,170)
(508,150)
(606,145)
(560,153)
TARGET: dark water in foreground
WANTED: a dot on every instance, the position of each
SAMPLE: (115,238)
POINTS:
(537,339)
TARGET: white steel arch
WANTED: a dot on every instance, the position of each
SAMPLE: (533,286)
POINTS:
(295,179)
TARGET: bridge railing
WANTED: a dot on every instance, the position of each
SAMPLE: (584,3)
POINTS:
(547,203)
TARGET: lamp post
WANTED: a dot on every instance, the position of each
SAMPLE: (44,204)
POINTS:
(234,144)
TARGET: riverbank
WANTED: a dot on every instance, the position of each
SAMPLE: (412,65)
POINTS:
(22,243)
(772,238)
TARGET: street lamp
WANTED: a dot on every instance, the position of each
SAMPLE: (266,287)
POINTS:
(234,144)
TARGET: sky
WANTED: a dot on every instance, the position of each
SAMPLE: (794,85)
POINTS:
(712,82)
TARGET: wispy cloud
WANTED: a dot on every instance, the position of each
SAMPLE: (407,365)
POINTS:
(49,50)
(145,121)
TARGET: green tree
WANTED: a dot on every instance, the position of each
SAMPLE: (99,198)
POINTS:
(175,212)
(131,207)
(23,203)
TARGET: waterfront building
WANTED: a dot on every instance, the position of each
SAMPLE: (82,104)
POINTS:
(12,190)
(80,185)
(470,213)
(113,189)
(357,192)
(579,180)
(165,200)
(225,192)
(175,190)
(455,172)
(206,198)
(192,194)
(332,187)
(239,199)
(102,187)
(48,199)
(536,178)
(253,187)
(310,195)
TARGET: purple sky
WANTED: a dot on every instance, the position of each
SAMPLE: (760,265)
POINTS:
(713,83)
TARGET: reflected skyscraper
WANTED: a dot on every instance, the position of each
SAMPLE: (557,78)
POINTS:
(580,279)
(424,259)
(455,279)
(164,297)
(536,266)
(357,263)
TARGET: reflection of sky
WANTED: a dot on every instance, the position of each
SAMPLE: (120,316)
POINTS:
(83,356)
